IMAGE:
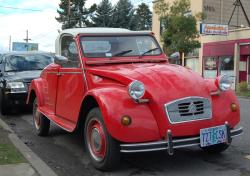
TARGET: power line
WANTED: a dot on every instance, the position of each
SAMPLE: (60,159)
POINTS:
(17,8)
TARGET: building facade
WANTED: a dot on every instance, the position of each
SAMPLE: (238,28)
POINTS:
(220,54)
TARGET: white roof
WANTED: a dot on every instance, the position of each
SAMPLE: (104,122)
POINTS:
(100,30)
(94,30)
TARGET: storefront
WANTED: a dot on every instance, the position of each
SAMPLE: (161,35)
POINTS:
(228,55)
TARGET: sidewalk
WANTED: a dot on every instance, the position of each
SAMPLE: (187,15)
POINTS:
(16,159)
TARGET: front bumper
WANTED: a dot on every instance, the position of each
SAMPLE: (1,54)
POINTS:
(170,144)
(18,98)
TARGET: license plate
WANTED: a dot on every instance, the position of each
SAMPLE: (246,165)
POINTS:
(213,135)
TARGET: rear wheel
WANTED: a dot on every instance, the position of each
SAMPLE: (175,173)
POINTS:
(215,149)
(42,124)
(102,148)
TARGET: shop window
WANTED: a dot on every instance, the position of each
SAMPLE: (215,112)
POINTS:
(226,67)
(226,64)
(210,67)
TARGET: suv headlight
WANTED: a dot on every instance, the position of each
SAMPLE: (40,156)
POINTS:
(224,82)
(136,90)
(16,86)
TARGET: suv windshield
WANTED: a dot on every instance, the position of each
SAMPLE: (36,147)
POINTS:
(27,62)
(112,46)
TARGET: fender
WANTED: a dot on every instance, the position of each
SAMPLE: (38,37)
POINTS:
(114,103)
(221,102)
(36,86)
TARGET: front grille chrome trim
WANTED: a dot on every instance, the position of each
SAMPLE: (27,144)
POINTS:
(186,114)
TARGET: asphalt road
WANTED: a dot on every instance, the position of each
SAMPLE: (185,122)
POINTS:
(66,155)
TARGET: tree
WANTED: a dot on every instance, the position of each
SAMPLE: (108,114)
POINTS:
(143,17)
(72,13)
(180,33)
(123,15)
(103,14)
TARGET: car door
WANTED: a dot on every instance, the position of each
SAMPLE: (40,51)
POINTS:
(70,90)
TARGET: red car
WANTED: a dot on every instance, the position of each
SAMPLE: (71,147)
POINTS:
(118,87)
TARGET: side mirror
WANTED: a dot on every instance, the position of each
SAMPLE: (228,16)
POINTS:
(60,59)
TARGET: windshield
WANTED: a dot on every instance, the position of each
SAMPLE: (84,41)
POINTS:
(27,62)
(113,46)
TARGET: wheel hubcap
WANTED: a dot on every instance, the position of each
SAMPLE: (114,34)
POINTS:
(96,140)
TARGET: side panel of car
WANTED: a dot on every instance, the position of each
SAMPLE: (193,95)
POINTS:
(50,82)
(70,92)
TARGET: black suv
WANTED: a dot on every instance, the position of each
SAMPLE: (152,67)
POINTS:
(17,70)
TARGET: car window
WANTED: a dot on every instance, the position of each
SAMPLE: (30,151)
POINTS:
(69,50)
(27,62)
(111,46)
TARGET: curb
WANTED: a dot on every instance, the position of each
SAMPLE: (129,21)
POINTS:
(243,97)
(39,165)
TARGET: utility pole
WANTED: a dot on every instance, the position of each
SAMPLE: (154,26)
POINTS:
(69,12)
(27,39)
(10,43)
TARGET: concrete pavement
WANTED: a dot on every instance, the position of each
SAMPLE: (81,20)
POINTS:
(35,167)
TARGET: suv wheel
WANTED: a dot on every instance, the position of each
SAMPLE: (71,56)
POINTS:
(42,124)
(102,148)
(5,110)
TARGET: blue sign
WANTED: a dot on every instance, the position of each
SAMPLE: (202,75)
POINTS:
(22,46)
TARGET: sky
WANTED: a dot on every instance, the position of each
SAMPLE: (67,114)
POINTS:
(41,23)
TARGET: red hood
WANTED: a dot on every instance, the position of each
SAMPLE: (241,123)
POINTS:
(164,82)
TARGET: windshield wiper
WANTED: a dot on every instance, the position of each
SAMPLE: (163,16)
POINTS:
(153,49)
(123,52)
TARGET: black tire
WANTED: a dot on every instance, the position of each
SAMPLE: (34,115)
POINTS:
(103,150)
(41,123)
(215,149)
(5,110)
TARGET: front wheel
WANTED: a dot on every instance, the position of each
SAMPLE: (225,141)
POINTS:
(5,110)
(102,148)
(215,149)
(42,124)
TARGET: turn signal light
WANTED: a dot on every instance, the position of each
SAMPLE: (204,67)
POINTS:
(234,107)
(126,120)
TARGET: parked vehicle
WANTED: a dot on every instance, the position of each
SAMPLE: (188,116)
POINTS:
(17,69)
(118,86)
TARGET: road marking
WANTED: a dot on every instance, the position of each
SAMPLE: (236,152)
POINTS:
(247,157)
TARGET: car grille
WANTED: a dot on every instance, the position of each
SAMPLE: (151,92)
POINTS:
(188,109)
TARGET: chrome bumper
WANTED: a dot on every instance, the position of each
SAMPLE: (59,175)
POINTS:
(170,144)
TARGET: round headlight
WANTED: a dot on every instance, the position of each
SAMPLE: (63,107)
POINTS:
(224,83)
(136,90)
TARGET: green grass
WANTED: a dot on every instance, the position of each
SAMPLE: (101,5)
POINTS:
(244,94)
(8,153)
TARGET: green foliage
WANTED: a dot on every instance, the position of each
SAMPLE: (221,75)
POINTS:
(243,86)
(161,8)
(143,17)
(74,14)
(180,33)
(103,14)
(8,153)
(123,15)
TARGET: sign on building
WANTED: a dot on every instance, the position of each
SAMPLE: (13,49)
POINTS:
(22,46)
(213,29)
